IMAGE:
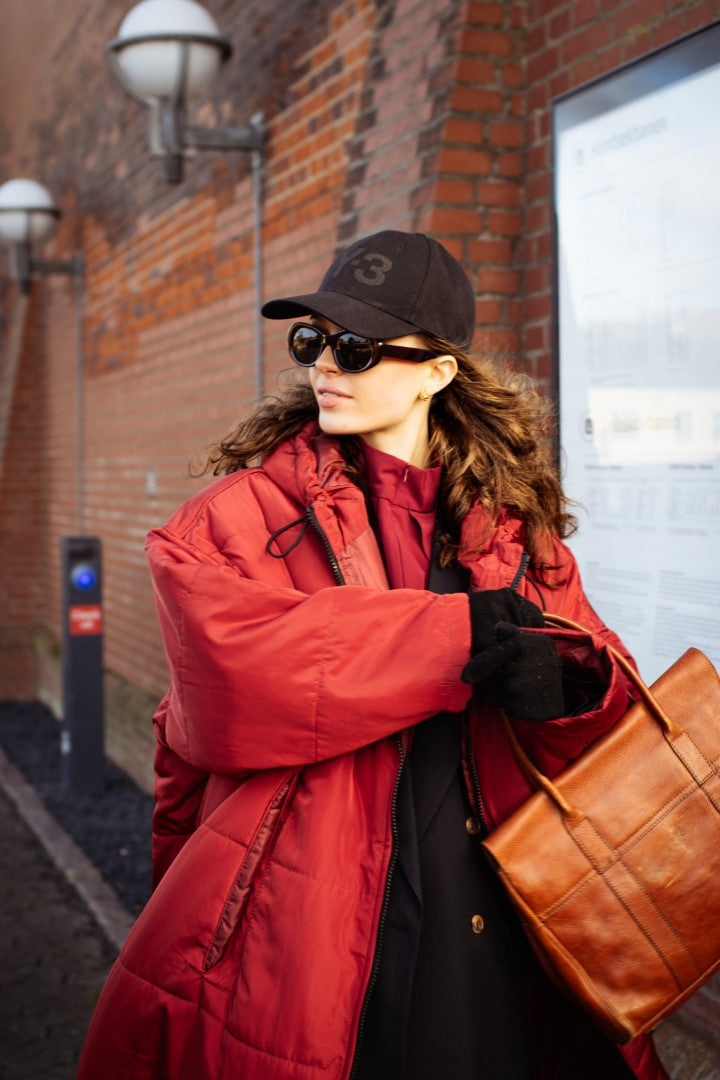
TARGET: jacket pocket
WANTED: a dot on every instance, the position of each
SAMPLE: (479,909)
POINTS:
(257,854)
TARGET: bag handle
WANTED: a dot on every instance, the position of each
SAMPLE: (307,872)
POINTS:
(671,728)
(538,779)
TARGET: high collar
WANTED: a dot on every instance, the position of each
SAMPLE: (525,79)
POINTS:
(404,485)
(311,470)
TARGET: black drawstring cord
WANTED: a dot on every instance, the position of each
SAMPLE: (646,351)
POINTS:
(536,587)
(302,520)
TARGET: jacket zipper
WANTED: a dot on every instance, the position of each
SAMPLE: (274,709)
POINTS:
(478,802)
(334,564)
(520,571)
(379,939)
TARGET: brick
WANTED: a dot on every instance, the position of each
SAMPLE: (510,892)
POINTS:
(496,280)
(454,191)
(487,311)
(476,99)
(582,72)
(518,106)
(543,63)
(509,164)
(475,70)
(612,57)
(537,278)
(502,193)
(450,220)
(485,14)
(486,42)
(560,23)
(491,251)
(538,157)
(519,16)
(541,369)
(566,79)
(586,41)
(537,38)
(635,17)
(512,75)
(537,218)
(506,133)
(538,97)
(513,310)
(584,11)
(469,162)
(504,222)
(469,132)
(537,307)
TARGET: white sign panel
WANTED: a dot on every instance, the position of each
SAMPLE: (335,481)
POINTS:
(638,294)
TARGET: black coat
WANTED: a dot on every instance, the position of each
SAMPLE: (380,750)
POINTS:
(457,993)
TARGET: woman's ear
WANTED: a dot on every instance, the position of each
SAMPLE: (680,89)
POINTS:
(441,371)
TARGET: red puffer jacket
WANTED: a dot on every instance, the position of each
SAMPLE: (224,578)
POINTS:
(279,748)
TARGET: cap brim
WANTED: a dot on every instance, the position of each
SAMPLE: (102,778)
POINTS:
(345,311)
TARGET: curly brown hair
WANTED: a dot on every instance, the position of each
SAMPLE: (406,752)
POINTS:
(490,429)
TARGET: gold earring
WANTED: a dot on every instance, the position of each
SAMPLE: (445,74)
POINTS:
(423,395)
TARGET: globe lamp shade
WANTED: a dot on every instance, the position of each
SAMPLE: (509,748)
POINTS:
(167,49)
(27,212)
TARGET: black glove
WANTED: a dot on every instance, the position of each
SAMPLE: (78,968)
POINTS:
(526,673)
(492,606)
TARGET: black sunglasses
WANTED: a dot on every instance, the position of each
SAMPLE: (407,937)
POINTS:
(352,352)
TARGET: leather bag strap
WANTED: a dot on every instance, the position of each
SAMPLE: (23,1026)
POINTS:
(644,692)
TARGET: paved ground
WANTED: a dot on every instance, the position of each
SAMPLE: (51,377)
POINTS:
(61,926)
(53,959)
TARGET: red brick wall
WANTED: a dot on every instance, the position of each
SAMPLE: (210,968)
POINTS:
(418,114)
(24,578)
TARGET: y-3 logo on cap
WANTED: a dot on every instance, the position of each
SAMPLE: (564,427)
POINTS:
(371,268)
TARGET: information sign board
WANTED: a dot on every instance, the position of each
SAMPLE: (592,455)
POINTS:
(637,227)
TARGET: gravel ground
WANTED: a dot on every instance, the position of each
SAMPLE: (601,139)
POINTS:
(113,828)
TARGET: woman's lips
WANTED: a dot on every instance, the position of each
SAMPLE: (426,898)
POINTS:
(329,397)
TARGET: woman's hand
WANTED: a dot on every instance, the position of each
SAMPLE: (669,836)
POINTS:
(524,670)
(492,606)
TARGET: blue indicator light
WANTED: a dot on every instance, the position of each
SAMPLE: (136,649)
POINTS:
(83,577)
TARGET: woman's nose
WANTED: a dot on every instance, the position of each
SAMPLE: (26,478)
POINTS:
(326,361)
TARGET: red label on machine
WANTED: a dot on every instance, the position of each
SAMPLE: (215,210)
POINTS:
(85,619)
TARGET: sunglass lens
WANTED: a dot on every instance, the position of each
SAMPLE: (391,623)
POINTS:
(353,353)
(305,345)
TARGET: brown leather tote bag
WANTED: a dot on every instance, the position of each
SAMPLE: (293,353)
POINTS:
(614,866)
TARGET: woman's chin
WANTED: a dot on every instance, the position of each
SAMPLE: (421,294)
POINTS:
(331,424)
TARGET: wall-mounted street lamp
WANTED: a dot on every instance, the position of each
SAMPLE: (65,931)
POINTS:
(28,215)
(167,55)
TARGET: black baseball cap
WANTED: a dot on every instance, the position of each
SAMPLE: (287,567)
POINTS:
(387,285)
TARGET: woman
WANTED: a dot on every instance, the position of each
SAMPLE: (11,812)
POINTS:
(343,612)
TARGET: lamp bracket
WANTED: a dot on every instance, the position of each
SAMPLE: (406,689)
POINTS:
(76,265)
(173,138)
(26,265)
(250,137)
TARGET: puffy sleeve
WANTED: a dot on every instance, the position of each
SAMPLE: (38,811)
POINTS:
(266,676)
(179,792)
